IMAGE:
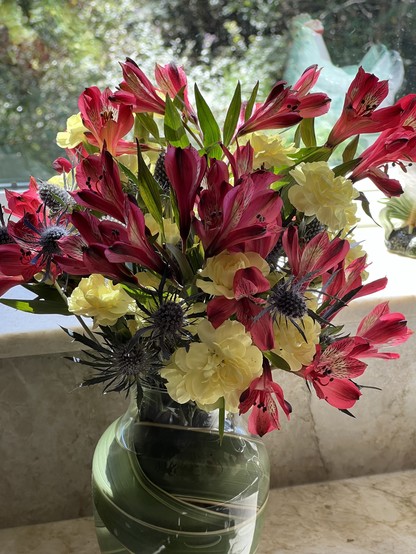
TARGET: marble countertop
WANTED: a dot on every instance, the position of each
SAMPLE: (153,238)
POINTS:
(375,514)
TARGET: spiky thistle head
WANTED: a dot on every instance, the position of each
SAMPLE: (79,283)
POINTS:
(119,361)
(56,198)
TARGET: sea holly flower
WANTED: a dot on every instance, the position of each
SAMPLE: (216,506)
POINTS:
(100,299)
(107,122)
(320,193)
(38,236)
(222,365)
(360,113)
(261,398)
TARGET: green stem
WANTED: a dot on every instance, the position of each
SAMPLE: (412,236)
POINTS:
(82,322)
(193,135)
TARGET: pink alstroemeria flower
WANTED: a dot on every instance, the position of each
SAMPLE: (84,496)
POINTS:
(185,169)
(137,90)
(346,283)
(247,306)
(316,257)
(392,146)
(107,121)
(332,370)
(99,183)
(231,218)
(260,398)
(383,328)
(84,253)
(172,80)
(360,113)
(309,104)
(21,203)
(273,113)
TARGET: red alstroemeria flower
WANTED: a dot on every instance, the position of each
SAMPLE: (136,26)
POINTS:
(62,165)
(391,146)
(17,265)
(383,328)
(21,203)
(138,91)
(360,114)
(332,370)
(273,113)
(260,398)
(316,257)
(346,283)
(247,284)
(309,104)
(135,247)
(107,121)
(172,80)
(246,213)
(100,188)
(185,169)
(85,253)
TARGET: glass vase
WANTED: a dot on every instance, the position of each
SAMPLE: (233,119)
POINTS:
(163,481)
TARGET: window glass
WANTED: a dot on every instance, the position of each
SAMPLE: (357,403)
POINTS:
(52,50)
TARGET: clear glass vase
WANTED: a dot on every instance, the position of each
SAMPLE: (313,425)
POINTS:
(164,482)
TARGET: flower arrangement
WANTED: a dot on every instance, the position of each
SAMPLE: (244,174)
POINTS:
(208,255)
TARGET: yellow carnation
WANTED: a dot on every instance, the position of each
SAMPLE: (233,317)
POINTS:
(74,134)
(318,192)
(64,180)
(222,365)
(222,268)
(291,346)
(99,298)
(269,149)
(171,229)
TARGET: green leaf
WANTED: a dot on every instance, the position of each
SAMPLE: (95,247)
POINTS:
(175,132)
(209,126)
(46,292)
(346,167)
(307,132)
(297,137)
(276,361)
(231,119)
(350,149)
(250,103)
(312,154)
(183,263)
(144,126)
(37,306)
(148,188)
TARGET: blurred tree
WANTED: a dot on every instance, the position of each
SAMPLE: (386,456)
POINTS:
(52,50)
